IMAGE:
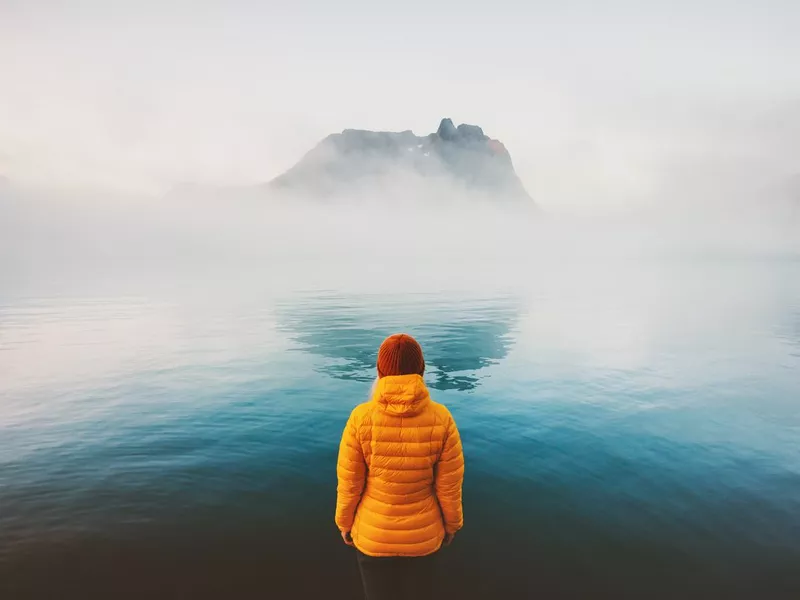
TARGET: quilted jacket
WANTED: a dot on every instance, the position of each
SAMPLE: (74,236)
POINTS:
(400,471)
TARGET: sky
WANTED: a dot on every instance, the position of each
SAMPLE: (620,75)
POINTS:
(602,104)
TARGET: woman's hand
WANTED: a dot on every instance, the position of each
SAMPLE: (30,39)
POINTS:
(347,538)
(448,539)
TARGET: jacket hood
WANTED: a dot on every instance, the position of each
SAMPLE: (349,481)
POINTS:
(401,395)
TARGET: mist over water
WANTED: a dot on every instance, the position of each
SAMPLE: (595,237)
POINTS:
(89,239)
(175,374)
(192,292)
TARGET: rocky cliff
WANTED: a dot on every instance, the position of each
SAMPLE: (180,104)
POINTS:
(461,156)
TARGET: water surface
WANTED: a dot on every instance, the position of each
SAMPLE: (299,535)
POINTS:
(629,432)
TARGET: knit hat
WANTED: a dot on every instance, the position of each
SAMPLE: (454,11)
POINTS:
(400,354)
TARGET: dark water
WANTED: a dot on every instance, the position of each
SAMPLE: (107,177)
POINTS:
(629,433)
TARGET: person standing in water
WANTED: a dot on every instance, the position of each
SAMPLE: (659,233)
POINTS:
(400,472)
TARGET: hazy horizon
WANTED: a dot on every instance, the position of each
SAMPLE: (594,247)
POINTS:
(602,109)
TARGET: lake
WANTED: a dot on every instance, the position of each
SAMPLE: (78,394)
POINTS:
(630,430)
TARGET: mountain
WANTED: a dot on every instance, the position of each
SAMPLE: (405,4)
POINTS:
(461,159)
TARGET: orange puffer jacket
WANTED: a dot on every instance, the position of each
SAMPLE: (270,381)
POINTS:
(400,471)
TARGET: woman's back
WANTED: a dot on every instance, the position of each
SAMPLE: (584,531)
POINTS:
(400,470)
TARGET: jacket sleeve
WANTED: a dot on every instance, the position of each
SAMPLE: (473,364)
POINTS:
(351,471)
(449,479)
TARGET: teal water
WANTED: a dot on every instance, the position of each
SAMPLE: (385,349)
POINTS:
(629,432)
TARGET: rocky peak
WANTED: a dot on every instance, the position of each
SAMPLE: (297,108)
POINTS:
(464,153)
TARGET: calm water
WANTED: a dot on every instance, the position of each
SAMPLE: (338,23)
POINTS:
(630,432)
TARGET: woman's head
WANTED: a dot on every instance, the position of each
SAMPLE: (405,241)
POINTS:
(400,354)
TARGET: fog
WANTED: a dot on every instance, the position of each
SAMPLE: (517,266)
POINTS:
(637,132)
(128,245)
(601,109)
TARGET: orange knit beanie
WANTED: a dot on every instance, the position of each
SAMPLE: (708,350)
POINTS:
(400,354)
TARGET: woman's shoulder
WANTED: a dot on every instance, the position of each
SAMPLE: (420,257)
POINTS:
(361,411)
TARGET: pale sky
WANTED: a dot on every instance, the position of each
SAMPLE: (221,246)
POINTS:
(599,103)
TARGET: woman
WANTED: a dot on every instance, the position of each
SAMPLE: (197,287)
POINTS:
(400,473)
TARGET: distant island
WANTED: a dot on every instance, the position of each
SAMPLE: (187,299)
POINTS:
(463,156)
(451,164)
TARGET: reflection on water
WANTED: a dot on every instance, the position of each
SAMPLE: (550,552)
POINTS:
(627,435)
(458,344)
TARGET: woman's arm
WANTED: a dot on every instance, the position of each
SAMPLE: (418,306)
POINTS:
(449,480)
(351,471)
